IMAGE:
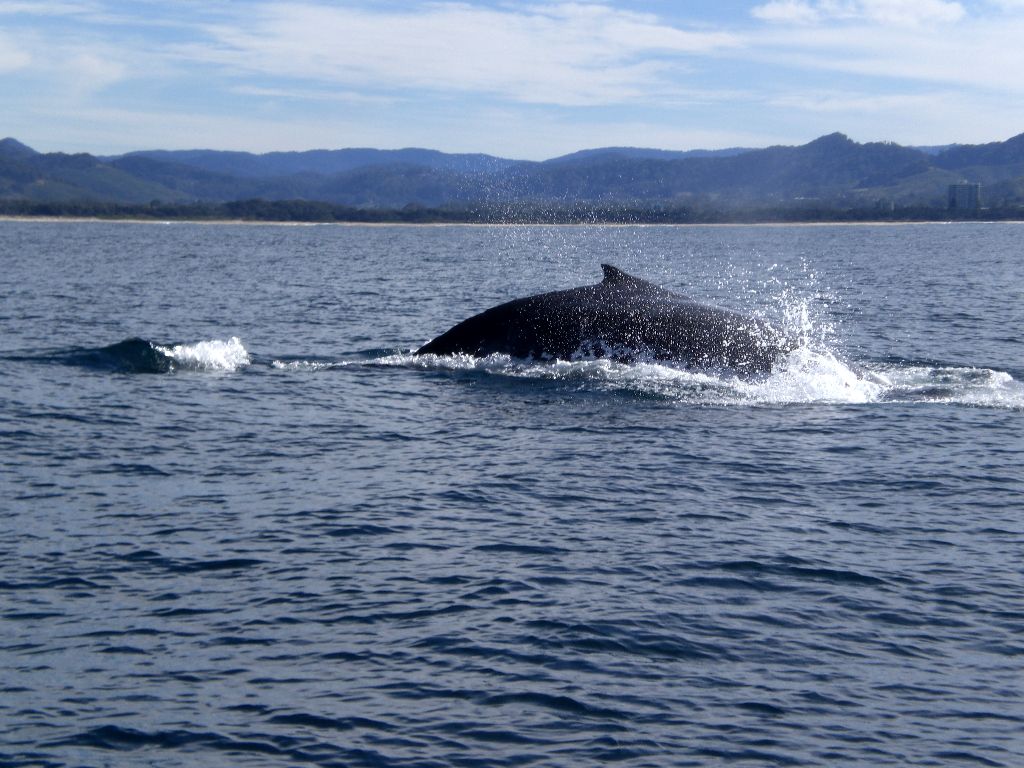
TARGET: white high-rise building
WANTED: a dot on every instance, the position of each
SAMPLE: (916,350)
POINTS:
(965,196)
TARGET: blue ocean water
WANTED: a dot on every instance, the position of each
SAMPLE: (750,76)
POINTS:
(243,525)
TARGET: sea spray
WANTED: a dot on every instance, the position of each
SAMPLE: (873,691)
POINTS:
(213,355)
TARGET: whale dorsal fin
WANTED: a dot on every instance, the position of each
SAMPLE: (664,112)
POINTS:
(614,275)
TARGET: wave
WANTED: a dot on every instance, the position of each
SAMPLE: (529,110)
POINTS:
(809,374)
(805,375)
(137,355)
(909,382)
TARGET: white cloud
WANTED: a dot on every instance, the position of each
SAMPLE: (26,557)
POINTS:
(832,102)
(985,55)
(566,54)
(87,70)
(44,8)
(311,95)
(912,72)
(787,11)
(931,117)
(12,56)
(114,131)
(50,69)
(885,12)
(529,79)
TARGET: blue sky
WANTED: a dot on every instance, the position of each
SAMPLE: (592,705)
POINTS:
(527,80)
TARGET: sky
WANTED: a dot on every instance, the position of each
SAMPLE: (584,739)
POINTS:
(527,80)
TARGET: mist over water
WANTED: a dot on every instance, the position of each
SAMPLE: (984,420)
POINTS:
(244,525)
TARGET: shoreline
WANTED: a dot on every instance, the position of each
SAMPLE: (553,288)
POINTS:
(283,223)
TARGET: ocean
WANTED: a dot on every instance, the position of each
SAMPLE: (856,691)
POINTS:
(242,525)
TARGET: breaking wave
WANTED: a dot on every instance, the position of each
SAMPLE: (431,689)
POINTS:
(137,355)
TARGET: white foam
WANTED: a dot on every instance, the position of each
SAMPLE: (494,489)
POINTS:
(308,365)
(213,355)
(809,376)
(961,385)
(805,375)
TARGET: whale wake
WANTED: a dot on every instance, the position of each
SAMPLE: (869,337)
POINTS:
(803,376)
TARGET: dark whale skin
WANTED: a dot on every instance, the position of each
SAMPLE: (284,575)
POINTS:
(622,317)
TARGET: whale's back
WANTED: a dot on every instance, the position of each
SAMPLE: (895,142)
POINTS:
(622,317)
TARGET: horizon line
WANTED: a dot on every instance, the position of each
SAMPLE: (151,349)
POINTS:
(608,148)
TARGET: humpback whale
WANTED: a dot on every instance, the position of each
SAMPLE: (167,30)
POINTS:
(624,318)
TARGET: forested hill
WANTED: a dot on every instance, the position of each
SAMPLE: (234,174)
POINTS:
(832,171)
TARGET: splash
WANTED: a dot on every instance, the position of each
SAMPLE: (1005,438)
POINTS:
(810,373)
(815,371)
(809,376)
(137,355)
(805,376)
(213,355)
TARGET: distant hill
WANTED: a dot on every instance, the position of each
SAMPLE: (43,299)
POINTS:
(29,175)
(934,150)
(999,153)
(827,168)
(997,165)
(645,154)
(13,149)
(831,171)
(324,162)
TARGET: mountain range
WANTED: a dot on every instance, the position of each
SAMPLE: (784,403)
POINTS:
(830,171)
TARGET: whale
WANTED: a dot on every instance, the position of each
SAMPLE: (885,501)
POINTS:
(623,318)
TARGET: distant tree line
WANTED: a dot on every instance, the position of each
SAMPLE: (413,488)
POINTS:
(310,211)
